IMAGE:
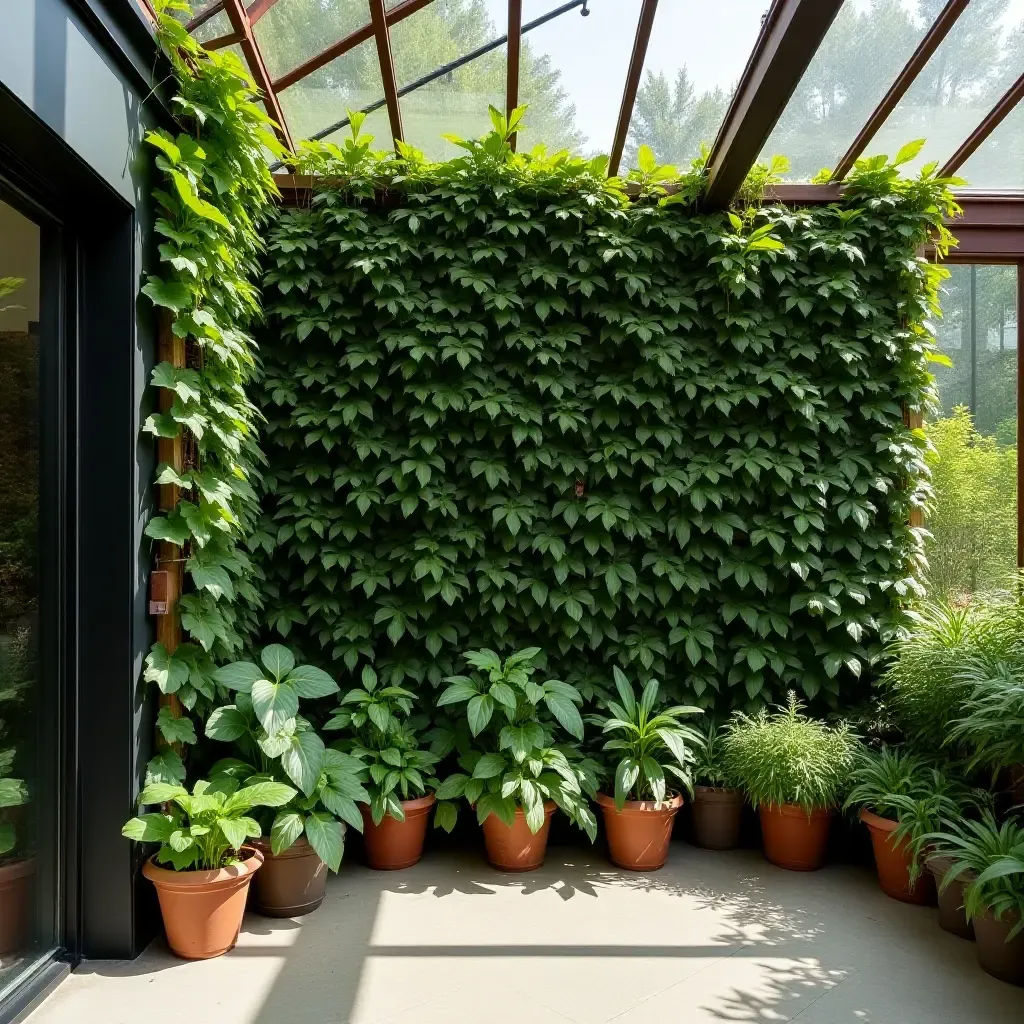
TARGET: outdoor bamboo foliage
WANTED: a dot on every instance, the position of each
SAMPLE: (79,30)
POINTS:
(506,405)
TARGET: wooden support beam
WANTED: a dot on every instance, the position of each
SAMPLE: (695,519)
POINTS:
(636,66)
(515,46)
(221,41)
(254,58)
(790,36)
(257,9)
(929,44)
(387,66)
(993,120)
(346,43)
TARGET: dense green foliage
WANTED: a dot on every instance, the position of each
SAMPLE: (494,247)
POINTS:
(505,404)
(217,189)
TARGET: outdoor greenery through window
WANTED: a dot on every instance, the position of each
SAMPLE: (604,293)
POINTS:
(974,465)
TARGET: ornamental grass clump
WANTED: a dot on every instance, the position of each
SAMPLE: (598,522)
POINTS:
(785,757)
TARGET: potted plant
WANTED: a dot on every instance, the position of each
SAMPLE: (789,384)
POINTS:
(202,838)
(652,746)
(401,780)
(515,775)
(992,856)
(306,837)
(717,804)
(886,783)
(17,866)
(794,770)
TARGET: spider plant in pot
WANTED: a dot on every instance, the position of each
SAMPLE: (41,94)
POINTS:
(401,780)
(717,803)
(17,866)
(992,857)
(306,837)
(794,770)
(653,745)
(203,840)
(515,775)
(881,780)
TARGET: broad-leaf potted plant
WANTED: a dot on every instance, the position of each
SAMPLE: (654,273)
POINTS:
(515,775)
(991,855)
(306,837)
(653,746)
(401,780)
(886,783)
(717,803)
(17,865)
(794,770)
(203,839)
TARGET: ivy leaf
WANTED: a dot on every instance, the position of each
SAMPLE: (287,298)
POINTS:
(175,729)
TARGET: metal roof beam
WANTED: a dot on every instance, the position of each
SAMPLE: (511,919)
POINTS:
(992,121)
(789,38)
(387,67)
(644,26)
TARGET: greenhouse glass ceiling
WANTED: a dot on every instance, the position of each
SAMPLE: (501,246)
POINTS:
(821,82)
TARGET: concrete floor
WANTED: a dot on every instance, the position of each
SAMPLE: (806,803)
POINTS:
(712,937)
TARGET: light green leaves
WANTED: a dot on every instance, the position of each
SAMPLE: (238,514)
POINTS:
(278,660)
(175,729)
(303,760)
(275,704)
(327,837)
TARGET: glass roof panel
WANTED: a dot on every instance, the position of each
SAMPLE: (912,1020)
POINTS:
(998,163)
(864,51)
(973,66)
(217,26)
(572,73)
(350,82)
(292,31)
(457,103)
(694,60)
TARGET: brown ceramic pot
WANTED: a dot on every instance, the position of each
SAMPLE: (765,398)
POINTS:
(639,834)
(716,817)
(395,844)
(291,883)
(1003,960)
(951,899)
(15,905)
(794,838)
(514,847)
(893,860)
(202,910)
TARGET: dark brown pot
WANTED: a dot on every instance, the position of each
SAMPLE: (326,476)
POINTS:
(717,813)
(291,883)
(203,910)
(639,834)
(1003,960)
(794,838)
(893,860)
(514,847)
(395,844)
(15,905)
(951,899)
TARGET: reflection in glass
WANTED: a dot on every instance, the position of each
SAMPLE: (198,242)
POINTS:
(864,51)
(974,466)
(694,60)
(973,66)
(572,73)
(457,103)
(26,924)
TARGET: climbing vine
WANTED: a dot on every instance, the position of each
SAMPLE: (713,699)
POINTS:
(511,402)
(216,193)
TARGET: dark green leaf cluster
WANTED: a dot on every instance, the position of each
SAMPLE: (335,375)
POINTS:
(506,405)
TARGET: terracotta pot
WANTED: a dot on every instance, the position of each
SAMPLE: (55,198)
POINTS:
(639,834)
(515,847)
(793,837)
(892,860)
(202,910)
(1003,960)
(15,905)
(291,883)
(395,844)
(717,813)
(951,899)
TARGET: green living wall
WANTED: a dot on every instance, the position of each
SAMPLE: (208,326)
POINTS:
(508,404)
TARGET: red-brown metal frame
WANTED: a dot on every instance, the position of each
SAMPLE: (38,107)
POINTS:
(205,15)
(644,26)
(992,120)
(929,44)
(257,9)
(387,66)
(515,46)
